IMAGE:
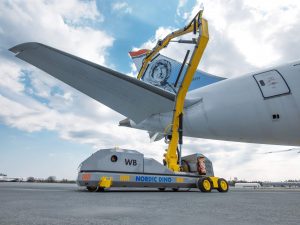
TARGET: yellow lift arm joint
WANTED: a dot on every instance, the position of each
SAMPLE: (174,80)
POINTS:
(193,25)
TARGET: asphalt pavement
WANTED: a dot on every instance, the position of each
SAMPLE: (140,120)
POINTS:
(52,204)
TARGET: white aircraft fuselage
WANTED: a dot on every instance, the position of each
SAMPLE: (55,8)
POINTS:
(260,107)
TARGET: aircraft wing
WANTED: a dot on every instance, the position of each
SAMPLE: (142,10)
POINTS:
(130,97)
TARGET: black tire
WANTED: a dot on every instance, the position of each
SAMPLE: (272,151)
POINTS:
(161,189)
(175,189)
(100,189)
(205,184)
(222,185)
(91,188)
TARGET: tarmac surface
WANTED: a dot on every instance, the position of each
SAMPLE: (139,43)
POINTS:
(51,204)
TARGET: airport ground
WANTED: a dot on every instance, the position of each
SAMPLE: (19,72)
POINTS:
(52,204)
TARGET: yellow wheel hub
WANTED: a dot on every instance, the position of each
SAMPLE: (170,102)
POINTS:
(223,185)
(206,185)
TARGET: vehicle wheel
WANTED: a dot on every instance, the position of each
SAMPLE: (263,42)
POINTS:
(175,189)
(222,185)
(100,189)
(205,184)
(161,189)
(91,188)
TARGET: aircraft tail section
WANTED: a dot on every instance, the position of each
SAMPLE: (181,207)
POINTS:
(164,72)
(138,56)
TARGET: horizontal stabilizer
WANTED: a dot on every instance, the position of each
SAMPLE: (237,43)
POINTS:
(130,97)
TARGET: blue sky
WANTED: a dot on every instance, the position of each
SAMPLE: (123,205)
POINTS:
(135,28)
(48,128)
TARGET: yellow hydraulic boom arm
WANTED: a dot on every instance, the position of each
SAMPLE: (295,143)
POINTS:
(200,25)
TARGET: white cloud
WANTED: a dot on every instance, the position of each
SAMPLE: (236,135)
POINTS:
(251,33)
(61,25)
(11,80)
(77,11)
(122,7)
(160,33)
(47,22)
(179,12)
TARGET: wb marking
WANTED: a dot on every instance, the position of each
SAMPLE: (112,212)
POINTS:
(130,162)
